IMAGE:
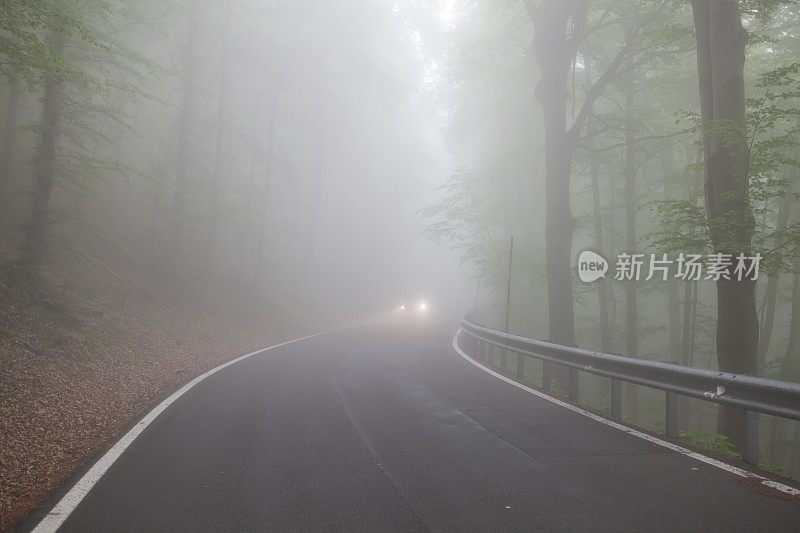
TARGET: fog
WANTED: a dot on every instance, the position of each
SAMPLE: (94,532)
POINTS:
(287,146)
(182,181)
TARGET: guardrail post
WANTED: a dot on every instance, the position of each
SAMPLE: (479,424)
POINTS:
(750,451)
(520,367)
(573,385)
(672,415)
(547,376)
(482,355)
(504,358)
(616,399)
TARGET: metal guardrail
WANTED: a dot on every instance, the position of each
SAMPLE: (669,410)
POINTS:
(751,393)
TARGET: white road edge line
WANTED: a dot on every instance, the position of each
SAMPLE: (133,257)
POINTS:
(56,517)
(674,447)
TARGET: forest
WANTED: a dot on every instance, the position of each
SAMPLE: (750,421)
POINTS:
(638,128)
(182,181)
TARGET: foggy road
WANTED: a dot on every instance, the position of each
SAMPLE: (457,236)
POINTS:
(385,427)
(182,179)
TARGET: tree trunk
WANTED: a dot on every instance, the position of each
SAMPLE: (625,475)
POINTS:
(667,163)
(720,63)
(689,322)
(560,27)
(273,123)
(9,142)
(771,293)
(604,285)
(219,156)
(793,346)
(556,53)
(559,225)
(180,195)
(319,178)
(611,247)
(690,289)
(631,313)
(246,215)
(687,309)
(674,312)
(32,250)
(689,312)
(789,367)
(777,431)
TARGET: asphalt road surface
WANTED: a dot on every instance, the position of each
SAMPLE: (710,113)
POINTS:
(385,427)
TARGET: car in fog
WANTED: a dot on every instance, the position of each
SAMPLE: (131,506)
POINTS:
(419,306)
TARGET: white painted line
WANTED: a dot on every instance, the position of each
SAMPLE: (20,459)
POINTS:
(72,499)
(674,447)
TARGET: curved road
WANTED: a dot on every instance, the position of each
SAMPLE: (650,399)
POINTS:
(385,427)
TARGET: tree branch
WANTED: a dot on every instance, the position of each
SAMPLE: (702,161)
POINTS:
(637,140)
(611,71)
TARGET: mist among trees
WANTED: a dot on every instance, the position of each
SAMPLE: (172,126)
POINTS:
(294,162)
(633,128)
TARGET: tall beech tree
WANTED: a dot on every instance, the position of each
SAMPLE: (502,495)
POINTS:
(721,41)
(32,251)
(186,119)
(560,29)
(219,145)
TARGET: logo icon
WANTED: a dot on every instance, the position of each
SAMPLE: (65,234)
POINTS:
(591,266)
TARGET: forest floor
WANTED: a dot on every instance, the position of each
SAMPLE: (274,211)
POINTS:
(79,365)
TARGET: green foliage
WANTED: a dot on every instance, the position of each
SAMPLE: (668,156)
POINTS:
(78,42)
(763,10)
(463,219)
(683,226)
(719,444)
(23,46)
(773,126)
